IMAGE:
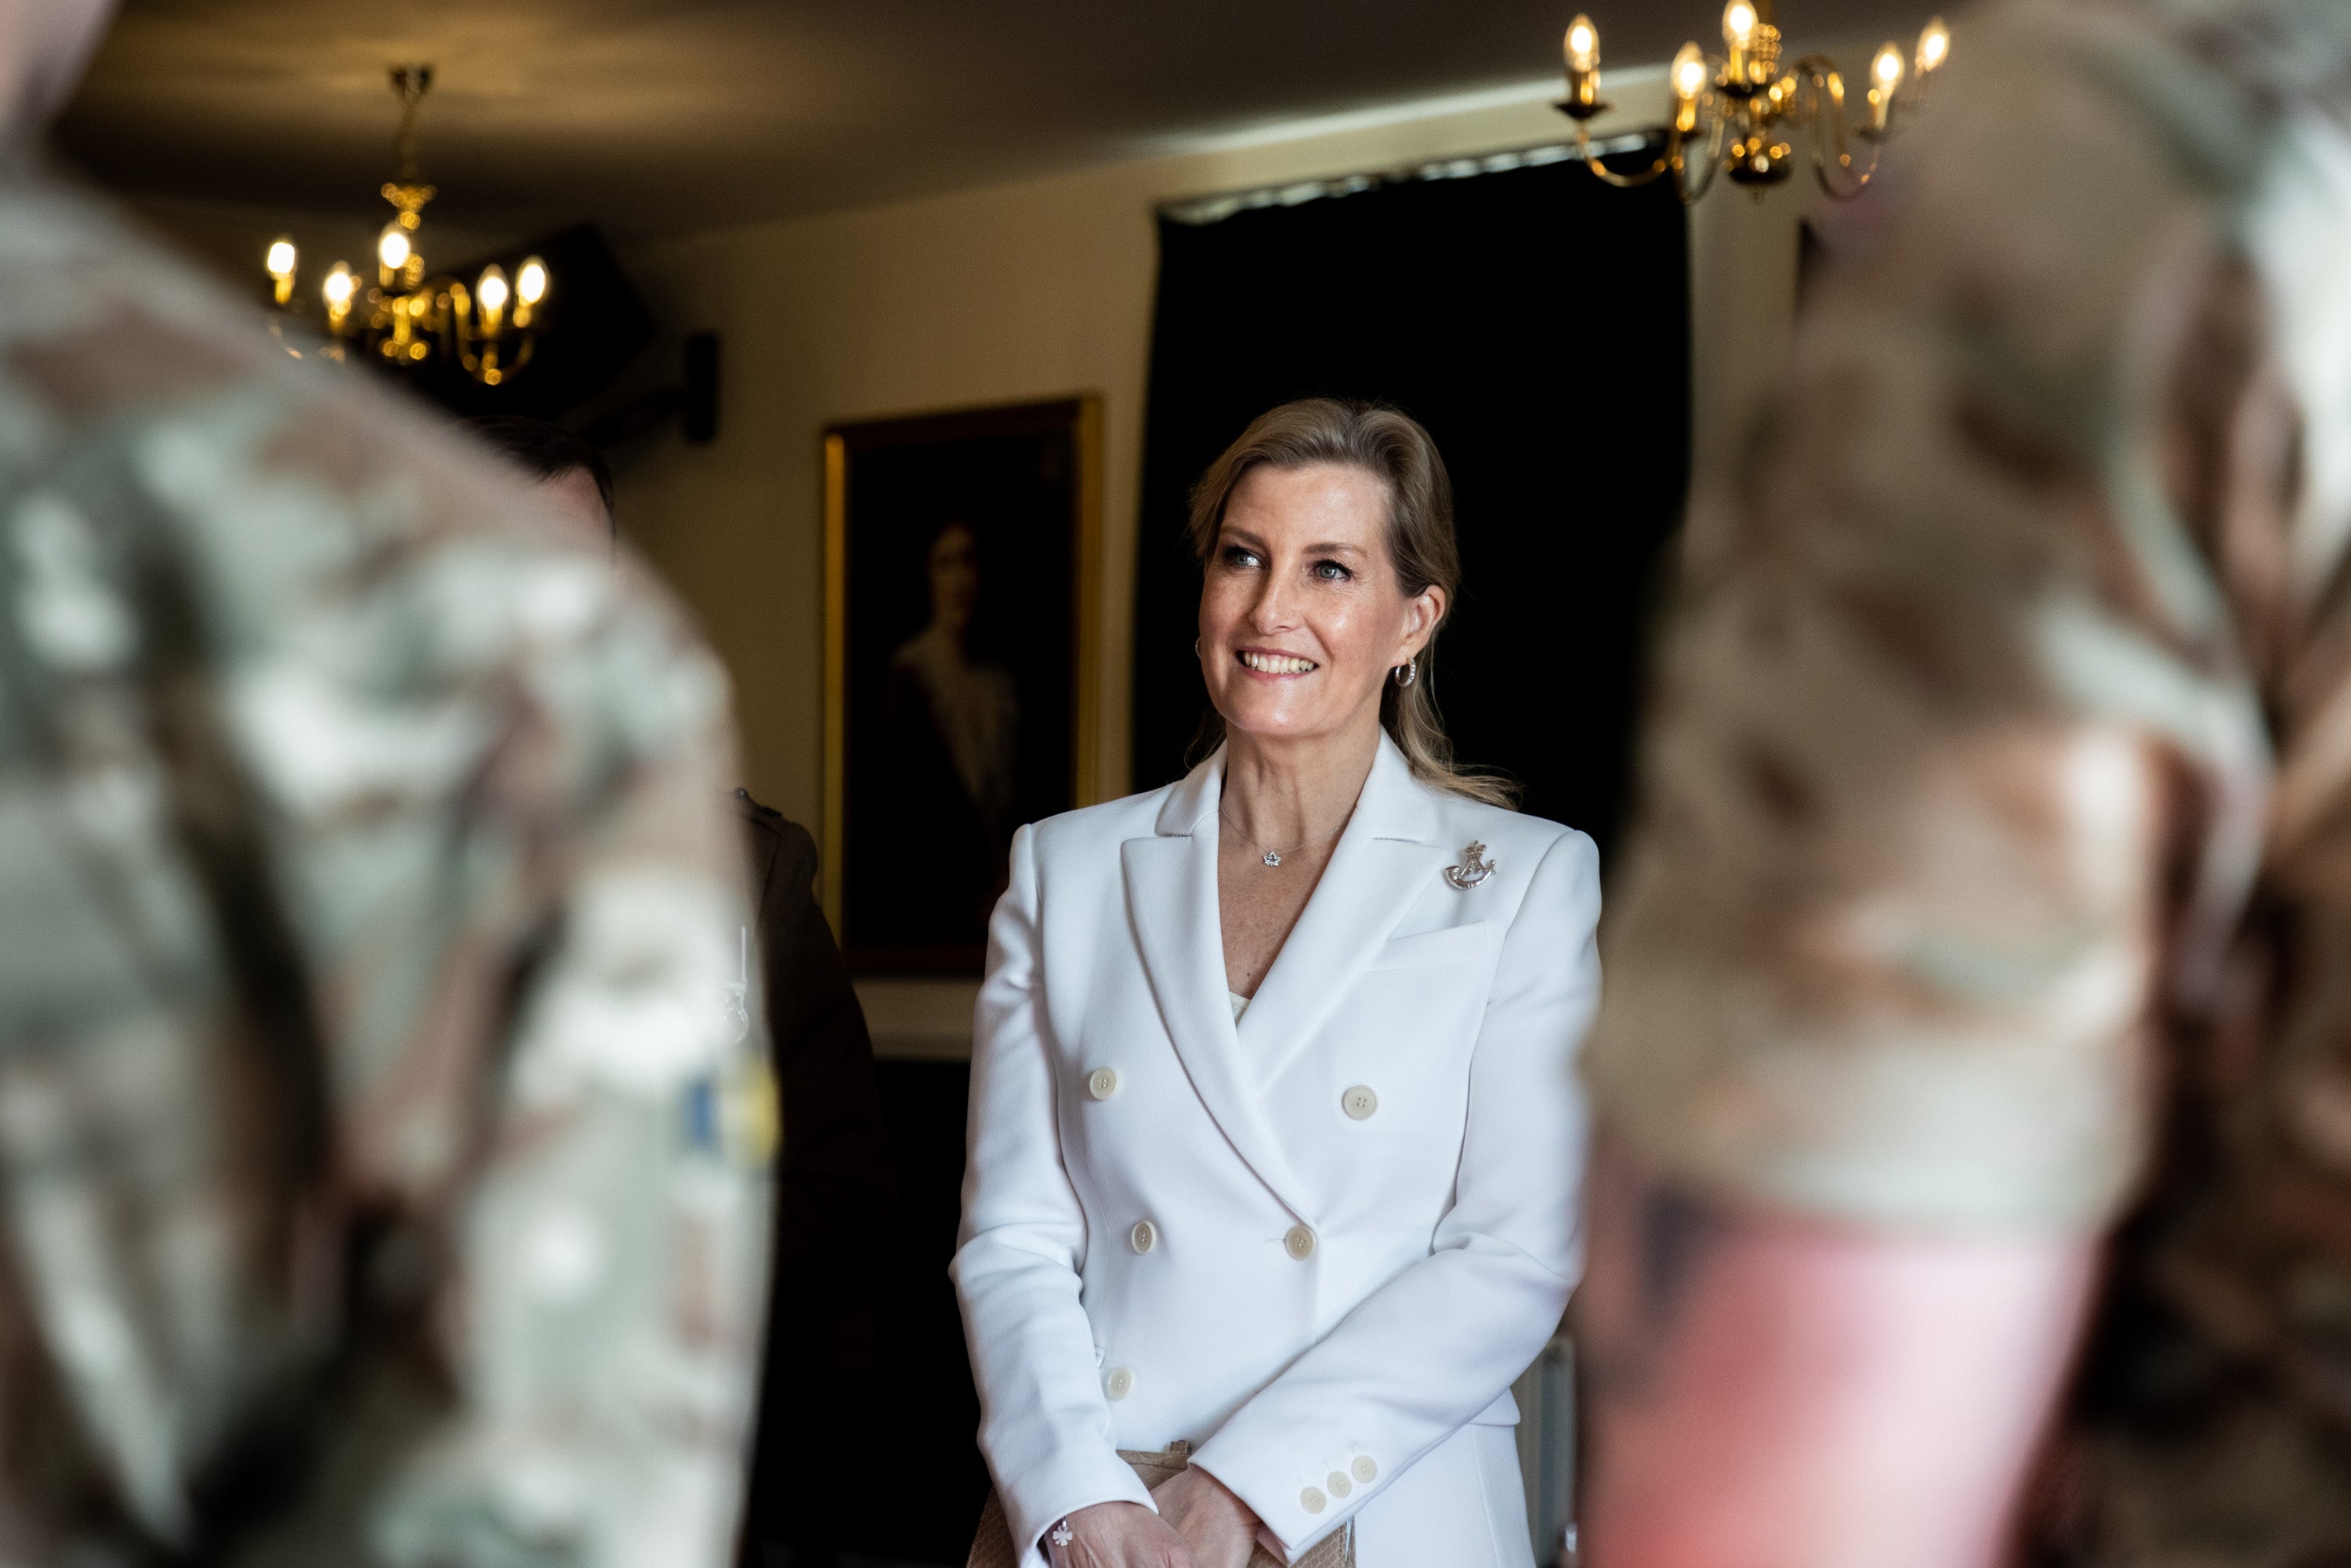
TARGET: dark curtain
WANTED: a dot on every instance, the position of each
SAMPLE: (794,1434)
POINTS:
(1537,321)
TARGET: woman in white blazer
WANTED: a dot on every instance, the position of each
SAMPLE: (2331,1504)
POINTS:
(1274,1130)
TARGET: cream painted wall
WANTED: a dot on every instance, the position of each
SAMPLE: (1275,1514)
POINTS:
(1027,290)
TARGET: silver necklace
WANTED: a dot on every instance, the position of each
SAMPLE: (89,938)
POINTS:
(1273,857)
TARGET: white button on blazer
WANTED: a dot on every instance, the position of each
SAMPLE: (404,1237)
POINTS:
(1330,1293)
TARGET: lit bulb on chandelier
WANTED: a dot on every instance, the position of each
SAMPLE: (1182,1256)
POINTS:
(1739,24)
(530,287)
(1583,49)
(1689,72)
(1885,73)
(280,266)
(392,250)
(1689,78)
(1934,44)
(337,290)
(1583,46)
(490,293)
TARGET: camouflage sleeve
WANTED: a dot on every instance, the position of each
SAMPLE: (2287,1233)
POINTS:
(1948,747)
(498,766)
(601,1317)
(1873,955)
(382,1130)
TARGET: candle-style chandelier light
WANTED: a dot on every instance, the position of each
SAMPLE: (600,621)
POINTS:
(1732,110)
(405,316)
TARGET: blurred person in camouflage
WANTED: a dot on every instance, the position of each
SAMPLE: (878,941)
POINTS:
(1975,1070)
(821,1408)
(381,1161)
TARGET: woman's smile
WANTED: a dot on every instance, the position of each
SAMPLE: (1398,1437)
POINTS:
(1301,614)
(1273,664)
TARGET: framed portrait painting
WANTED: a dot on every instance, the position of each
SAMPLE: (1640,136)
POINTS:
(960,666)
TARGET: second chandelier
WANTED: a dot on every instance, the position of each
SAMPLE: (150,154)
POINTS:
(1731,111)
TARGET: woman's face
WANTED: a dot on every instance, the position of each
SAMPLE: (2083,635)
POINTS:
(955,577)
(1301,617)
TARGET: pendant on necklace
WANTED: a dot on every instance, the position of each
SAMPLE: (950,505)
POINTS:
(1272,858)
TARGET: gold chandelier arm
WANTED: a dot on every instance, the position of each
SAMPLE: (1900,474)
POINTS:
(482,353)
(1669,161)
(1716,128)
(409,84)
(1824,114)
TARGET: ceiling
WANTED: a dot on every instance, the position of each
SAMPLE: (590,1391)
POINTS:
(664,115)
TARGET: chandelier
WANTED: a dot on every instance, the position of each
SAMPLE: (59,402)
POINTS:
(1731,113)
(407,316)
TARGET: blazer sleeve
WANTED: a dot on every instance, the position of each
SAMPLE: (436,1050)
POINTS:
(1044,1423)
(1427,1352)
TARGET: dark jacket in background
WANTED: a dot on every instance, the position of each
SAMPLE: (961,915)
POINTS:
(836,1213)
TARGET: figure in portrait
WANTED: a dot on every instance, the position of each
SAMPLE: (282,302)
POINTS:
(950,743)
(956,543)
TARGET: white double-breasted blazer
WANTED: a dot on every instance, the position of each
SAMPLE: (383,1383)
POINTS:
(1318,1244)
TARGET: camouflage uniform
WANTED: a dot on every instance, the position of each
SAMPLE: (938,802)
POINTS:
(379,1158)
(1993,870)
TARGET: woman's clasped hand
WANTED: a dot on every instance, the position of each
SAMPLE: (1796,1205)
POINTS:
(1118,1535)
(1200,1524)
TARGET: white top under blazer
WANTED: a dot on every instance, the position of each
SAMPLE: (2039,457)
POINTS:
(1319,1242)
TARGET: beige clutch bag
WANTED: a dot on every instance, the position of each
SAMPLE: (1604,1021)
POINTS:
(992,1547)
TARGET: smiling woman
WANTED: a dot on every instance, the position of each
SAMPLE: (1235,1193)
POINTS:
(1275,1131)
(1393,468)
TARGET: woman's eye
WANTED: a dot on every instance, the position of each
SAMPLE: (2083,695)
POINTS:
(1331,571)
(1238,558)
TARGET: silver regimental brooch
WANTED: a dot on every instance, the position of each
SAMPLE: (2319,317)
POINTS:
(1474,867)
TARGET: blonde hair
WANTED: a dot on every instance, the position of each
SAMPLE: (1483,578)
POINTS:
(1392,447)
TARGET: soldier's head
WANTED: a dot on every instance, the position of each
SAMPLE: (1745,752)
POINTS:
(43,45)
(571,476)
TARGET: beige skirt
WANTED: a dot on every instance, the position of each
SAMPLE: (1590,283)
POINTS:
(993,1548)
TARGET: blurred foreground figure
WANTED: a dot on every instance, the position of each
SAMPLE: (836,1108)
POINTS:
(836,1205)
(1992,899)
(380,1163)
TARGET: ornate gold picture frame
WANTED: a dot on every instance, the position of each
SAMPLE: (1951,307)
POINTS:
(962,665)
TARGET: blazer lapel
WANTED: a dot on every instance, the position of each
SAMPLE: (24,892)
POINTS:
(1171,899)
(1387,857)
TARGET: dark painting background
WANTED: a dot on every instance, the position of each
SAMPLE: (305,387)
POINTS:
(1012,474)
(1537,321)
